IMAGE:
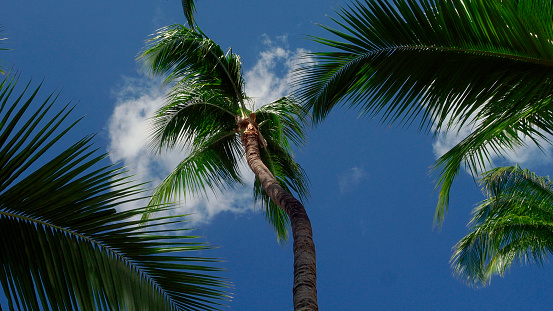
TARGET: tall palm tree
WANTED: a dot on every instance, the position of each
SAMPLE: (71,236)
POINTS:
(514,223)
(208,112)
(64,243)
(443,64)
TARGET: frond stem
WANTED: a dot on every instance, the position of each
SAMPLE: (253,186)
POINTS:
(487,53)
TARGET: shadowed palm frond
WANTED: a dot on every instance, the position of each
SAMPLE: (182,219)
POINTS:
(284,121)
(442,64)
(65,246)
(188,54)
(514,223)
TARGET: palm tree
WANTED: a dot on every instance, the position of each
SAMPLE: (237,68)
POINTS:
(208,112)
(65,244)
(514,223)
(443,64)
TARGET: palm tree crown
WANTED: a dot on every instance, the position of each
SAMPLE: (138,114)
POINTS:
(204,111)
(444,64)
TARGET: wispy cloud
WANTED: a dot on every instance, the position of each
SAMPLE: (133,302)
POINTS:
(136,99)
(271,76)
(349,179)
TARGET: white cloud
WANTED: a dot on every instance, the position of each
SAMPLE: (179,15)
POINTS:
(136,99)
(263,81)
(350,179)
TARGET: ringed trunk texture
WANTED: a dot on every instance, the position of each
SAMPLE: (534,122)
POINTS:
(305,268)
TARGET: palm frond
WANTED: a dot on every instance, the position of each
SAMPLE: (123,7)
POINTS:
(188,54)
(65,245)
(495,134)
(284,121)
(513,224)
(189,8)
(428,59)
(191,110)
(211,164)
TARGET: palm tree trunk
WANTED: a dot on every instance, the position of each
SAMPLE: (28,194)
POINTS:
(305,267)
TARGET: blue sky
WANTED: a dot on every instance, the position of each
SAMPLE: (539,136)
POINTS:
(372,198)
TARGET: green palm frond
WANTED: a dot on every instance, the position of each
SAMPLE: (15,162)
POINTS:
(65,246)
(442,64)
(212,164)
(513,224)
(187,54)
(191,111)
(428,58)
(189,8)
(284,121)
(493,136)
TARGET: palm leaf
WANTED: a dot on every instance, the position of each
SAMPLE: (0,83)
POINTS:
(189,8)
(493,136)
(440,63)
(514,223)
(189,112)
(212,164)
(188,54)
(65,245)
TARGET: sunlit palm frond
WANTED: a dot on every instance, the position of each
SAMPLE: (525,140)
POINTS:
(188,54)
(514,223)
(496,134)
(211,164)
(65,246)
(443,64)
(191,111)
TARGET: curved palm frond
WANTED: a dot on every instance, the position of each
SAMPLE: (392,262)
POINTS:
(190,112)
(188,54)
(493,136)
(440,63)
(64,243)
(212,163)
(429,58)
(514,223)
